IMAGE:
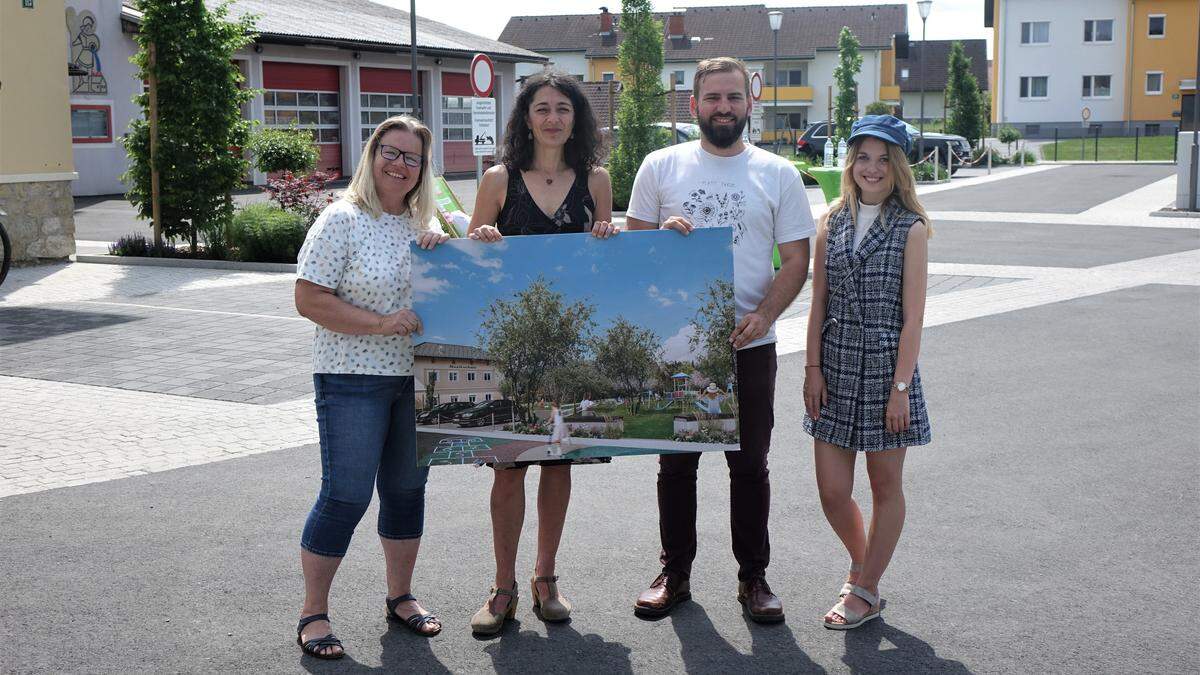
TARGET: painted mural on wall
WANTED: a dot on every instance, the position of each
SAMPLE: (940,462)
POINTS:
(85,53)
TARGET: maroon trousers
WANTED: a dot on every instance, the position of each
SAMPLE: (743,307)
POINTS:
(749,484)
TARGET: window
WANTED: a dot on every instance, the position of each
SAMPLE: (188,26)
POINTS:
(1098,30)
(606,77)
(677,77)
(904,73)
(375,108)
(487,376)
(453,376)
(1097,86)
(456,118)
(470,377)
(1036,86)
(1154,81)
(454,399)
(1033,129)
(316,111)
(487,397)
(821,131)
(1035,32)
(471,398)
(1153,129)
(91,124)
(1156,27)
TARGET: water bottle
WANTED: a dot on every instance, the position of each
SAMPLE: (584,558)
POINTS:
(841,157)
(828,154)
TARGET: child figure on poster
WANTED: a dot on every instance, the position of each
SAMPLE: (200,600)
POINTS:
(709,400)
(558,432)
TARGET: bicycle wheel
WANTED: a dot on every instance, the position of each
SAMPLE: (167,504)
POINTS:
(5,253)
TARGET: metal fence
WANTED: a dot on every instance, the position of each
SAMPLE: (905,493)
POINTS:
(1092,144)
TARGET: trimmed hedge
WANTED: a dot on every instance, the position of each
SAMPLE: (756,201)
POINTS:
(263,232)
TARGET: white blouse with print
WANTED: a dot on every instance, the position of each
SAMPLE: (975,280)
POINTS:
(367,262)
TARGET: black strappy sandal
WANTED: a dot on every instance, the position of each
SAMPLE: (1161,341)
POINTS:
(416,622)
(317,646)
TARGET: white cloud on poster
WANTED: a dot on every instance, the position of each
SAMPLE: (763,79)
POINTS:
(666,298)
(426,284)
(676,347)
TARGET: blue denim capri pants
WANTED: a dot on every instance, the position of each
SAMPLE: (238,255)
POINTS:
(368,434)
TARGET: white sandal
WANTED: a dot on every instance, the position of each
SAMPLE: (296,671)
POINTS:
(853,618)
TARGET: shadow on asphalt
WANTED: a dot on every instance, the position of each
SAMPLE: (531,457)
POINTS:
(704,650)
(517,651)
(879,647)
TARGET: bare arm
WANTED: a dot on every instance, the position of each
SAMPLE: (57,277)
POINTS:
(600,187)
(916,280)
(793,271)
(488,203)
(916,271)
(820,300)
(321,306)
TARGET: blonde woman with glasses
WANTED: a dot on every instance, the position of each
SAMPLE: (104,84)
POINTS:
(862,388)
(354,281)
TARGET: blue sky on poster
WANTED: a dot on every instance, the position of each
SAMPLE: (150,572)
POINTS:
(653,279)
(948,20)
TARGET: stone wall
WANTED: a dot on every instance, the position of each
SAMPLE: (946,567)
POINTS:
(40,220)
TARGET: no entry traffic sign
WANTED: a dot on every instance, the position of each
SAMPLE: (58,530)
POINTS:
(483,72)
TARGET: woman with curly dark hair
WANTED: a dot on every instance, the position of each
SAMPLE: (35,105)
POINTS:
(548,182)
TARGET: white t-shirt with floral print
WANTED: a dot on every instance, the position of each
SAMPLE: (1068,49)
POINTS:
(367,262)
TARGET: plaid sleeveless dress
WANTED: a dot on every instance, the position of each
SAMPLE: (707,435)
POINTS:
(861,335)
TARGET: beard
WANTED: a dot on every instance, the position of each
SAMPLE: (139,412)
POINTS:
(724,135)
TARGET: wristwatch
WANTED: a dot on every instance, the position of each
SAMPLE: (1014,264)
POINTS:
(900,386)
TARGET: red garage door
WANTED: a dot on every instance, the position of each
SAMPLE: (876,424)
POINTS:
(307,95)
(384,92)
(456,123)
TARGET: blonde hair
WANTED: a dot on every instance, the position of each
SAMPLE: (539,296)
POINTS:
(419,201)
(721,64)
(903,192)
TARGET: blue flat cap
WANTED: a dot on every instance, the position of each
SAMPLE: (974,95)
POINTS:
(884,127)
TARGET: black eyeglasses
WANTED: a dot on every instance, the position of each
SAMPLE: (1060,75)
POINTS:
(391,153)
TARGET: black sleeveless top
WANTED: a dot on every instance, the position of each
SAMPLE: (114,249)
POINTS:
(521,214)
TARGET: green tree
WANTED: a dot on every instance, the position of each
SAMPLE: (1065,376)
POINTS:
(532,335)
(629,356)
(962,97)
(277,150)
(845,107)
(711,327)
(640,61)
(574,381)
(878,108)
(1008,135)
(199,119)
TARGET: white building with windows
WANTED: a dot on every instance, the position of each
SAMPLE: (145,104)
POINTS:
(454,373)
(1114,62)
(334,67)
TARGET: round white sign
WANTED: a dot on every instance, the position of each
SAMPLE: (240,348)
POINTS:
(482,74)
(756,86)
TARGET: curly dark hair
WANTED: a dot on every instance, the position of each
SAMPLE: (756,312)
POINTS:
(583,151)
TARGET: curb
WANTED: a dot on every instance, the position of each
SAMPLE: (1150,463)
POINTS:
(1162,162)
(1175,214)
(184,263)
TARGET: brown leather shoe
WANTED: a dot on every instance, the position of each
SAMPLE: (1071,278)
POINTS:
(669,589)
(761,604)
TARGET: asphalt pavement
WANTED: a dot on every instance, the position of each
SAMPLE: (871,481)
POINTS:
(1050,524)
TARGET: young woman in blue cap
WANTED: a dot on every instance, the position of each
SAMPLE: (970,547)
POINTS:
(862,390)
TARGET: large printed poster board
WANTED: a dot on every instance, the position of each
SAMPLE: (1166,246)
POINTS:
(599,348)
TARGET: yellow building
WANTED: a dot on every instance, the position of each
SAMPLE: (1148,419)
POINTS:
(36,169)
(1162,50)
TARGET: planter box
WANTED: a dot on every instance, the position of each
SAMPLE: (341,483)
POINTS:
(689,423)
(595,423)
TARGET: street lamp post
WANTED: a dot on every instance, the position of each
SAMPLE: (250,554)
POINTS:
(923,6)
(776,19)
